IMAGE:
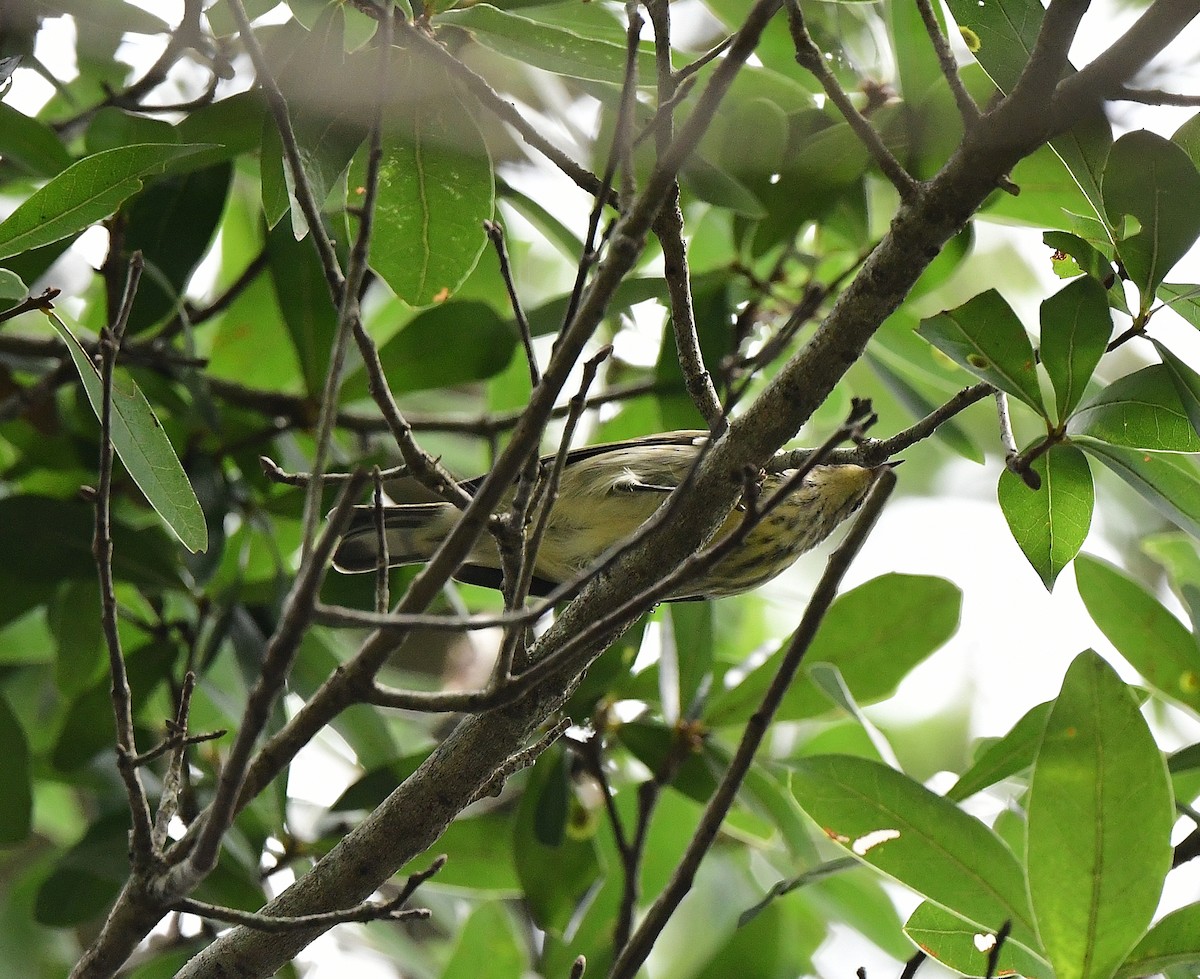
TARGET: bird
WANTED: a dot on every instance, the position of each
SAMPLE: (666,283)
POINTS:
(605,493)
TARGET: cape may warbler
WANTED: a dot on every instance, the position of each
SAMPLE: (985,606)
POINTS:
(605,493)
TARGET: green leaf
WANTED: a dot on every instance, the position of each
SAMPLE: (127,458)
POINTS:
(1100,816)
(1149,637)
(435,192)
(88,725)
(1184,299)
(138,438)
(1086,257)
(984,336)
(922,840)
(452,344)
(1076,325)
(1005,757)
(1187,383)
(304,300)
(1170,482)
(31,144)
(547,46)
(84,193)
(953,941)
(16,802)
(172,223)
(1152,180)
(555,857)
(1050,523)
(874,634)
(89,875)
(1173,941)
(487,946)
(11,286)
(1142,410)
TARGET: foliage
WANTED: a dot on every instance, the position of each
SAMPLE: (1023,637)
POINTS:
(829,213)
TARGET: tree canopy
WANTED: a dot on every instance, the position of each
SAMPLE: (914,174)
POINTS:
(263,261)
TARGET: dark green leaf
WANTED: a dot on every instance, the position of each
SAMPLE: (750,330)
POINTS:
(31,144)
(304,300)
(16,801)
(555,857)
(452,344)
(1051,522)
(1006,756)
(922,840)
(1153,181)
(1076,325)
(1151,639)
(84,193)
(89,875)
(1142,410)
(1100,817)
(138,438)
(1170,482)
(874,634)
(172,223)
(985,336)
(88,728)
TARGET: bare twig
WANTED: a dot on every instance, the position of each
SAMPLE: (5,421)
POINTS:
(348,309)
(966,105)
(643,939)
(499,106)
(141,840)
(391,910)
(809,57)
(1154,96)
(277,660)
(42,301)
(521,759)
(309,205)
(874,452)
(495,233)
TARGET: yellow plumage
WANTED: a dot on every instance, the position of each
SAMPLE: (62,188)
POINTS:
(608,491)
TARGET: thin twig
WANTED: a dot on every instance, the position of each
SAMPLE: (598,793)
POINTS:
(941,46)
(656,918)
(309,205)
(349,314)
(809,56)
(874,452)
(277,661)
(692,67)
(495,233)
(521,759)
(1154,96)
(391,910)
(42,301)
(141,840)
(500,107)
(668,229)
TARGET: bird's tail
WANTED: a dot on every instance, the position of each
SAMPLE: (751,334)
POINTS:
(411,531)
